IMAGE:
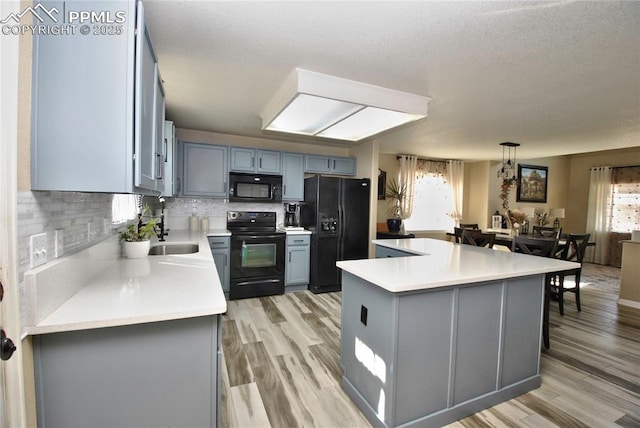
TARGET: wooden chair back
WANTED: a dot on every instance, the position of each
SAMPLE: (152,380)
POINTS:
(575,248)
(478,238)
(544,247)
(546,232)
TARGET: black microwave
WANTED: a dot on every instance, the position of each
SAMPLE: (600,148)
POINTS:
(254,187)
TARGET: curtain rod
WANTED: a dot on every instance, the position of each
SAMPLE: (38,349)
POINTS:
(428,160)
(617,166)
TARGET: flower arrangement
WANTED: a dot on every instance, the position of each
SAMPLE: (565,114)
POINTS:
(541,217)
(518,217)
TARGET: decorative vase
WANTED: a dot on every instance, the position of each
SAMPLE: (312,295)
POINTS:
(136,249)
(394,224)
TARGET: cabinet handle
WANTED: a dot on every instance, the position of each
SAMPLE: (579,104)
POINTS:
(284,190)
(328,163)
(289,255)
(159,164)
(334,164)
(253,162)
(225,259)
(260,163)
(298,240)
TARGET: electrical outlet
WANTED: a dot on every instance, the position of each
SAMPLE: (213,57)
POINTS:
(38,249)
(59,243)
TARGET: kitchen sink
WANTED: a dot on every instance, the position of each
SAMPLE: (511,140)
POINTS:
(165,249)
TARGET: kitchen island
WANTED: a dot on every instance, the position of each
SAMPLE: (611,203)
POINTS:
(127,342)
(436,331)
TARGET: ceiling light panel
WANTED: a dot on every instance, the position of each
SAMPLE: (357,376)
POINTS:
(313,103)
(366,123)
(309,115)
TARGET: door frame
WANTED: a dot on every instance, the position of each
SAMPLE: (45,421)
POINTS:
(12,391)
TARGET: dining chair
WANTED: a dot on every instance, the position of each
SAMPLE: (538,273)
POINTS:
(546,232)
(573,251)
(478,238)
(457,235)
(542,247)
(469,226)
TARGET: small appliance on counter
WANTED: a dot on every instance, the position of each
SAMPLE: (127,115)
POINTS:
(291,215)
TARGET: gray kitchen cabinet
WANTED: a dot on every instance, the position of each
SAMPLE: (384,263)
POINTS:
(203,170)
(297,262)
(169,152)
(94,126)
(220,248)
(292,176)
(244,159)
(152,374)
(329,165)
(382,252)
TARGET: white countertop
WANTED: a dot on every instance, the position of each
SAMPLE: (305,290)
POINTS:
(441,263)
(294,231)
(218,232)
(135,291)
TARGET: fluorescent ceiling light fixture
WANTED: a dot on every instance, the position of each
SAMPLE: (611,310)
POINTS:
(316,104)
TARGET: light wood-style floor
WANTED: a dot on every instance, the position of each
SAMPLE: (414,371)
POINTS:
(282,367)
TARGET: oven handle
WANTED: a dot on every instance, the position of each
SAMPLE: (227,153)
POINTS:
(268,281)
(256,236)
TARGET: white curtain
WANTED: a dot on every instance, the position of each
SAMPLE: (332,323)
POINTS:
(455,177)
(598,213)
(407,177)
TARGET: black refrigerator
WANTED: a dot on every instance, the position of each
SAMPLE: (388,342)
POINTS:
(336,211)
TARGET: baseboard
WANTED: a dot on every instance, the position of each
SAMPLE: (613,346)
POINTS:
(629,303)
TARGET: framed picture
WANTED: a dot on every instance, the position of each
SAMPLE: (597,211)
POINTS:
(532,183)
(382,184)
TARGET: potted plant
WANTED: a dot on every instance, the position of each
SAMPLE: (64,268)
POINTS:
(137,237)
(396,194)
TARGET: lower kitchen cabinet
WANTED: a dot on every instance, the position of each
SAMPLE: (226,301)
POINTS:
(297,262)
(154,374)
(220,249)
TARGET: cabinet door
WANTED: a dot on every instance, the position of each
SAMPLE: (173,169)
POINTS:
(221,260)
(292,177)
(317,163)
(160,146)
(343,166)
(242,159)
(145,147)
(297,268)
(204,170)
(169,153)
(268,162)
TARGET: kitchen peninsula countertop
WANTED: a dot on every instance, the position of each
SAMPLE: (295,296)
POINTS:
(439,263)
(136,291)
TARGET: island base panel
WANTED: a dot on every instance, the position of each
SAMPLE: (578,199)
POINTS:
(433,356)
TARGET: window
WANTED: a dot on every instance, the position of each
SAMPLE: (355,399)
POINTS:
(625,212)
(124,208)
(432,203)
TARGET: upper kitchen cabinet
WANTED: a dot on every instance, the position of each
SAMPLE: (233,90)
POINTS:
(320,164)
(244,159)
(170,158)
(98,102)
(292,177)
(203,170)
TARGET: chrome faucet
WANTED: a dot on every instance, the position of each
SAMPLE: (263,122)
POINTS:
(161,232)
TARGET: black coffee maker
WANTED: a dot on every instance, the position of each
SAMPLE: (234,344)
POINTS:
(291,215)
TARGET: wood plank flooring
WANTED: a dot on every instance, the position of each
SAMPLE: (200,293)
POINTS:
(281,367)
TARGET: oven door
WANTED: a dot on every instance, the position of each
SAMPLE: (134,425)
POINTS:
(256,255)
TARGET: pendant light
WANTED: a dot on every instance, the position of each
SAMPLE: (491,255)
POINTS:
(507,173)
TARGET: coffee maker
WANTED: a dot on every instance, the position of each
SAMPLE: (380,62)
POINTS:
(291,215)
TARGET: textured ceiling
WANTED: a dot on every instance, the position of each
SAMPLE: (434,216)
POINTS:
(558,77)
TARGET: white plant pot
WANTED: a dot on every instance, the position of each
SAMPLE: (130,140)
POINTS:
(137,249)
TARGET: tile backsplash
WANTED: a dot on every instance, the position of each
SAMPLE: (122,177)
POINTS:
(83,218)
